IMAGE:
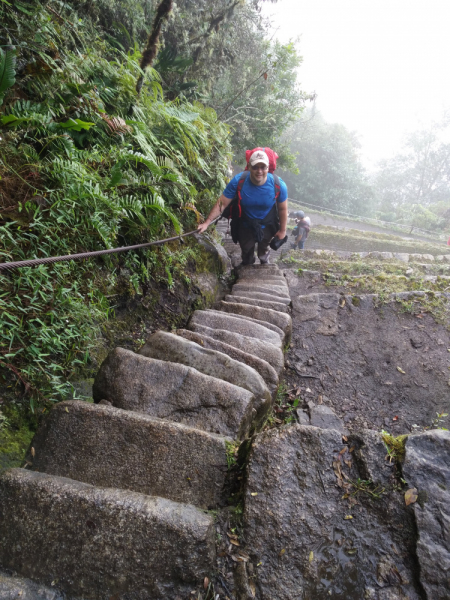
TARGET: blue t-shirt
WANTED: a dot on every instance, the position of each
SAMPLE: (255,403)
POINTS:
(257,200)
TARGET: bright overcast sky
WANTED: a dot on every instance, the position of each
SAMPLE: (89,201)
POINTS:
(379,67)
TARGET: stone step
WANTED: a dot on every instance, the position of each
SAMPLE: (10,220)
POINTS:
(258,268)
(13,587)
(174,392)
(219,320)
(277,278)
(275,274)
(266,371)
(99,543)
(173,348)
(265,350)
(279,306)
(261,296)
(257,279)
(273,290)
(280,320)
(132,451)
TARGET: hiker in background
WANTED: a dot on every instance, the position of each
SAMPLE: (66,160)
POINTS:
(301,230)
(258,207)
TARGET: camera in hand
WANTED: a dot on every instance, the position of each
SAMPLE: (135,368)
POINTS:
(277,242)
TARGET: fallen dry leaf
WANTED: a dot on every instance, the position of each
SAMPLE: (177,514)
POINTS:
(344,438)
(33,451)
(400,370)
(282,552)
(348,463)
(344,450)
(253,493)
(347,517)
(352,448)
(205,583)
(234,542)
(411,496)
(342,302)
(311,556)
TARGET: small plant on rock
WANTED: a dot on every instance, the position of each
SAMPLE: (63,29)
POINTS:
(395,446)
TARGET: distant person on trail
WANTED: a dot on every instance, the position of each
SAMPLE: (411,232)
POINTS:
(301,230)
(257,201)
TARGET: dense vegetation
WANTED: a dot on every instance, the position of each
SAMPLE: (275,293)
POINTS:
(87,162)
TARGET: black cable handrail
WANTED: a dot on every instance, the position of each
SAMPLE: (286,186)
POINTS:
(6,266)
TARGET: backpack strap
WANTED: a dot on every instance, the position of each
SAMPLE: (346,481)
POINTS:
(276,182)
(242,180)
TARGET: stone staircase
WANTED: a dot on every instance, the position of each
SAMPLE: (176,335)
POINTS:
(114,500)
(123,499)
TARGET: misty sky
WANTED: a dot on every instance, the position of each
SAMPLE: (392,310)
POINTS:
(380,67)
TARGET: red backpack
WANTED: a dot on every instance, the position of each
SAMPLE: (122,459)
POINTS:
(271,154)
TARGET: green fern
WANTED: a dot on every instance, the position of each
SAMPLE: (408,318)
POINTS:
(7,71)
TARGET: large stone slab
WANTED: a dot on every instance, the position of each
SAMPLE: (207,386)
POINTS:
(173,348)
(174,392)
(250,286)
(427,468)
(267,351)
(280,320)
(322,308)
(279,306)
(237,324)
(266,371)
(101,543)
(262,296)
(132,451)
(304,540)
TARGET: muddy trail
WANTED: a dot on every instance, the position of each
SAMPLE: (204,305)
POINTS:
(379,364)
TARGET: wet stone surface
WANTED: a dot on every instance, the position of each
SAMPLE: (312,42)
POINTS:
(101,543)
(174,392)
(427,469)
(305,540)
(132,451)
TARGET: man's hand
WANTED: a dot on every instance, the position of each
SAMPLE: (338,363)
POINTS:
(281,234)
(203,227)
(218,207)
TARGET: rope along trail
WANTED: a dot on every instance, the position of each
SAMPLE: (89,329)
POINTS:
(84,255)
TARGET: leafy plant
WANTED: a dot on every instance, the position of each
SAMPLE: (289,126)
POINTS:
(440,418)
(86,164)
(7,71)
(395,446)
